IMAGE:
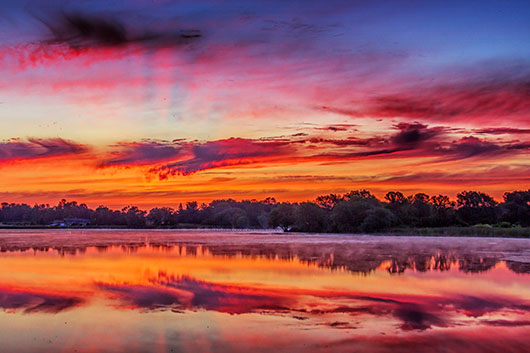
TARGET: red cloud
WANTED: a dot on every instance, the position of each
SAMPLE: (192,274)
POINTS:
(143,153)
(412,140)
(32,148)
(222,153)
(496,94)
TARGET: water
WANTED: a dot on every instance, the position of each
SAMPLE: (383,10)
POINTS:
(204,291)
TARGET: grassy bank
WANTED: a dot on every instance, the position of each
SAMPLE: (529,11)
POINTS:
(474,231)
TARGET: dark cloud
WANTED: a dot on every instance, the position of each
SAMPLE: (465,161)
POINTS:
(412,134)
(81,31)
(18,149)
(501,131)
(220,153)
(350,141)
(471,146)
(338,127)
(341,111)
(505,323)
(36,302)
(146,152)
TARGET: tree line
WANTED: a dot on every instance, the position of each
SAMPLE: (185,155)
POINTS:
(356,211)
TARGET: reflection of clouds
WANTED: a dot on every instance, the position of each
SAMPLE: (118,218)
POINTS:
(487,340)
(414,317)
(36,302)
(413,312)
(474,306)
(189,293)
(147,297)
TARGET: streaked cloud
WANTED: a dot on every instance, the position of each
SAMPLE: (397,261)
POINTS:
(32,148)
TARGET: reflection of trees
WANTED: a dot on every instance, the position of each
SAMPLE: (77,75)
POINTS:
(362,257)
(421,263)
(470,263)
(518,267)
(442,262)
(397,266)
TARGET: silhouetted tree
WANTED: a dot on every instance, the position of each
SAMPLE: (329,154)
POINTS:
(134,217)
(377,219)
(421,210)
(310,217)
(163,216)
(475,207)
(443,211)
(356,211)
(348,215)
(400,207)
(282,216)
(328,201)
(516,207)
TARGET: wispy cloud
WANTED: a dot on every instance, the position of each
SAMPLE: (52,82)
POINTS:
(83,30)
(32,148)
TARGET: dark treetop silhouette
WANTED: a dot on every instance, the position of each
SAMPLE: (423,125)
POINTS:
(356,211)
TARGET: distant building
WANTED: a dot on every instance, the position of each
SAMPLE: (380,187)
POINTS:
(71,222)
(58,223)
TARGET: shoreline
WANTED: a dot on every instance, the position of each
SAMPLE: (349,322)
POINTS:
(460,232)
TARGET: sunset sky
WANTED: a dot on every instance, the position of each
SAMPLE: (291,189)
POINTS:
(160,102)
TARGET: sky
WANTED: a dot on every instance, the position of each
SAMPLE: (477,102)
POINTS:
(161,102)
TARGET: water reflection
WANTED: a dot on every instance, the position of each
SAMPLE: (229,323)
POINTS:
(333,258)
(29,302)
(182,292)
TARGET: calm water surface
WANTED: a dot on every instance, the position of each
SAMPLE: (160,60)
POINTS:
(198,291)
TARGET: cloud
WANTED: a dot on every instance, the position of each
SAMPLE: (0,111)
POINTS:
(501,131)
(338,127)
(499,92)
(482,176)
(471,146)
(184,157)
(412,140)
(32,148)
(83,31)
(222,153)
(505,323)
(350,141)
(143,153)
(411,135)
